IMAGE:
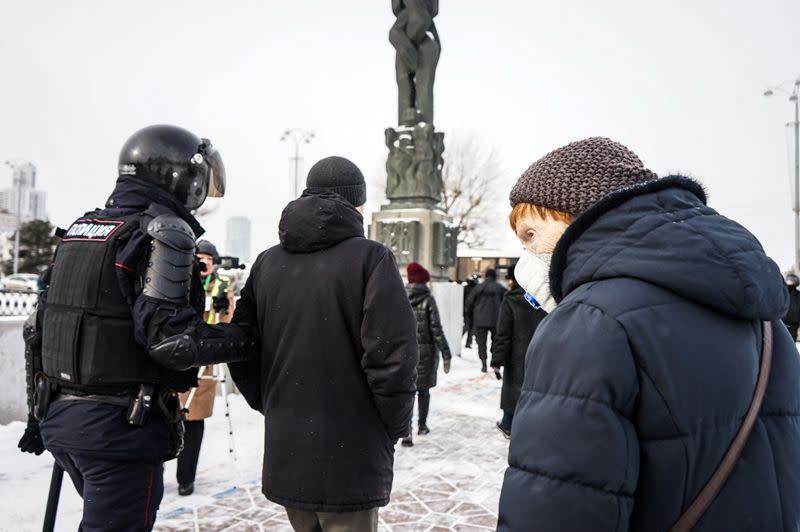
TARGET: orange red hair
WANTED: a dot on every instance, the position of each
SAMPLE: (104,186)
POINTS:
(526,210)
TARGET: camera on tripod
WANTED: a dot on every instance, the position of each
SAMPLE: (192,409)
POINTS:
(229,263)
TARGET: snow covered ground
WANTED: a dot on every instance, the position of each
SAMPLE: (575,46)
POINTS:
(450,480)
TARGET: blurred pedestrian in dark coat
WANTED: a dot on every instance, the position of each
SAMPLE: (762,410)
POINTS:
(431,342)
(483,308)
(515,327)
(792,317)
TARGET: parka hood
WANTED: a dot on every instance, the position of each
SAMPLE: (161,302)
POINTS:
(317,221)
(662,232)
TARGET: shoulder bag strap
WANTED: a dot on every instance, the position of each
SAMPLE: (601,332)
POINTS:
(710,491)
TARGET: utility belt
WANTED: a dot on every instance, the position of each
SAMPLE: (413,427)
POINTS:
(148,401)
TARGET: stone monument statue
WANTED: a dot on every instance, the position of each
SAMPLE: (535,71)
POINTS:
(417,43)
(413,224)
(414,165)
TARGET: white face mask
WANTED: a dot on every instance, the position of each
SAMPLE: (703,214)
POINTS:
(532,273)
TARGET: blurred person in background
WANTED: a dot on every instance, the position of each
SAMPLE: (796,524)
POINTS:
(470,285)
(199,401)
(483,307)
(431,342)
(516,324)
(792,317)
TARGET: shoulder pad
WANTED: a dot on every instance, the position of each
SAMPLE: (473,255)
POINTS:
(153,210)
(173,231)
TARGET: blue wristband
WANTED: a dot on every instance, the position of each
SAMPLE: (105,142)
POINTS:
(532,301)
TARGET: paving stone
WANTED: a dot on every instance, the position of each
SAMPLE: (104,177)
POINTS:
(442,507)
(449,481)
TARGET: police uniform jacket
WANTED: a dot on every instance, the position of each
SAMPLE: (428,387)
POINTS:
(97,428)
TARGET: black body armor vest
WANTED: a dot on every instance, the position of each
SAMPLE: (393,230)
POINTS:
(88,344)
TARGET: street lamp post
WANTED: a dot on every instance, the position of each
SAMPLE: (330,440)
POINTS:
(793,97)
(298,136)
(18,189)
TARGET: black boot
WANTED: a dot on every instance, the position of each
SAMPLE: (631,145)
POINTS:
(424,404)
(186,489)
(407,441)
(483,365)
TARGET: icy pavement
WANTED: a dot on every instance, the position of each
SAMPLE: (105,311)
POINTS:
(449,481)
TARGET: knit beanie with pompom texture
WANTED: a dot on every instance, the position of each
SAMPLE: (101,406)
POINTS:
(574,177)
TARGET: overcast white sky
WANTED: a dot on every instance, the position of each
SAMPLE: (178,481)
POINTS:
(679,82)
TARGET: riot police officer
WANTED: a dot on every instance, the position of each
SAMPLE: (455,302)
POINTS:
(124,278)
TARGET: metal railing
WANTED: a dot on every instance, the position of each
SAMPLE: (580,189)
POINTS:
(17,302)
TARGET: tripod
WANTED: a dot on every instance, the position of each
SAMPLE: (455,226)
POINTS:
(219,374)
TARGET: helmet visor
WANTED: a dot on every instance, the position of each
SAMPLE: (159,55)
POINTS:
(216,170)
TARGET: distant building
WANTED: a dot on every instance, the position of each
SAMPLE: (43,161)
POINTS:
(237,240)
(8,222)
(32,203)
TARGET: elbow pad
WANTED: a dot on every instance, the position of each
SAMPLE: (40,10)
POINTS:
(169,267)
(204,345)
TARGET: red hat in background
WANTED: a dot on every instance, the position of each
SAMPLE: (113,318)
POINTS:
(417,274)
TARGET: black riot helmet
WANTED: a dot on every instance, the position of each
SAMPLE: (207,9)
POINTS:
(176,161)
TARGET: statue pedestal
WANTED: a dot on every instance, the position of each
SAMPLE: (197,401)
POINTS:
(427,236)
(417,234)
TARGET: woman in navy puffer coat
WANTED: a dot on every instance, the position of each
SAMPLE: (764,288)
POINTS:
(638,380)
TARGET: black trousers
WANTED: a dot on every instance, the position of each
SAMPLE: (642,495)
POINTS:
(424,404)
(187,460)
(117,495)
(470,330)
(481,334)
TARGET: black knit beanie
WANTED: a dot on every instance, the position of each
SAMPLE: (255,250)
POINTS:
(339,175)
(573,177)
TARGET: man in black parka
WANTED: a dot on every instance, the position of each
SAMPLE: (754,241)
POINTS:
(515,327)
(336,374)
(638,380)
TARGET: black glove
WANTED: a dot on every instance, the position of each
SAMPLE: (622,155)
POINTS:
(221,303)
(497,373)
(447,363)
(31,441)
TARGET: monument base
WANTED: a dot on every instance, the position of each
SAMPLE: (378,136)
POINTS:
(417,234)
(428,236)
